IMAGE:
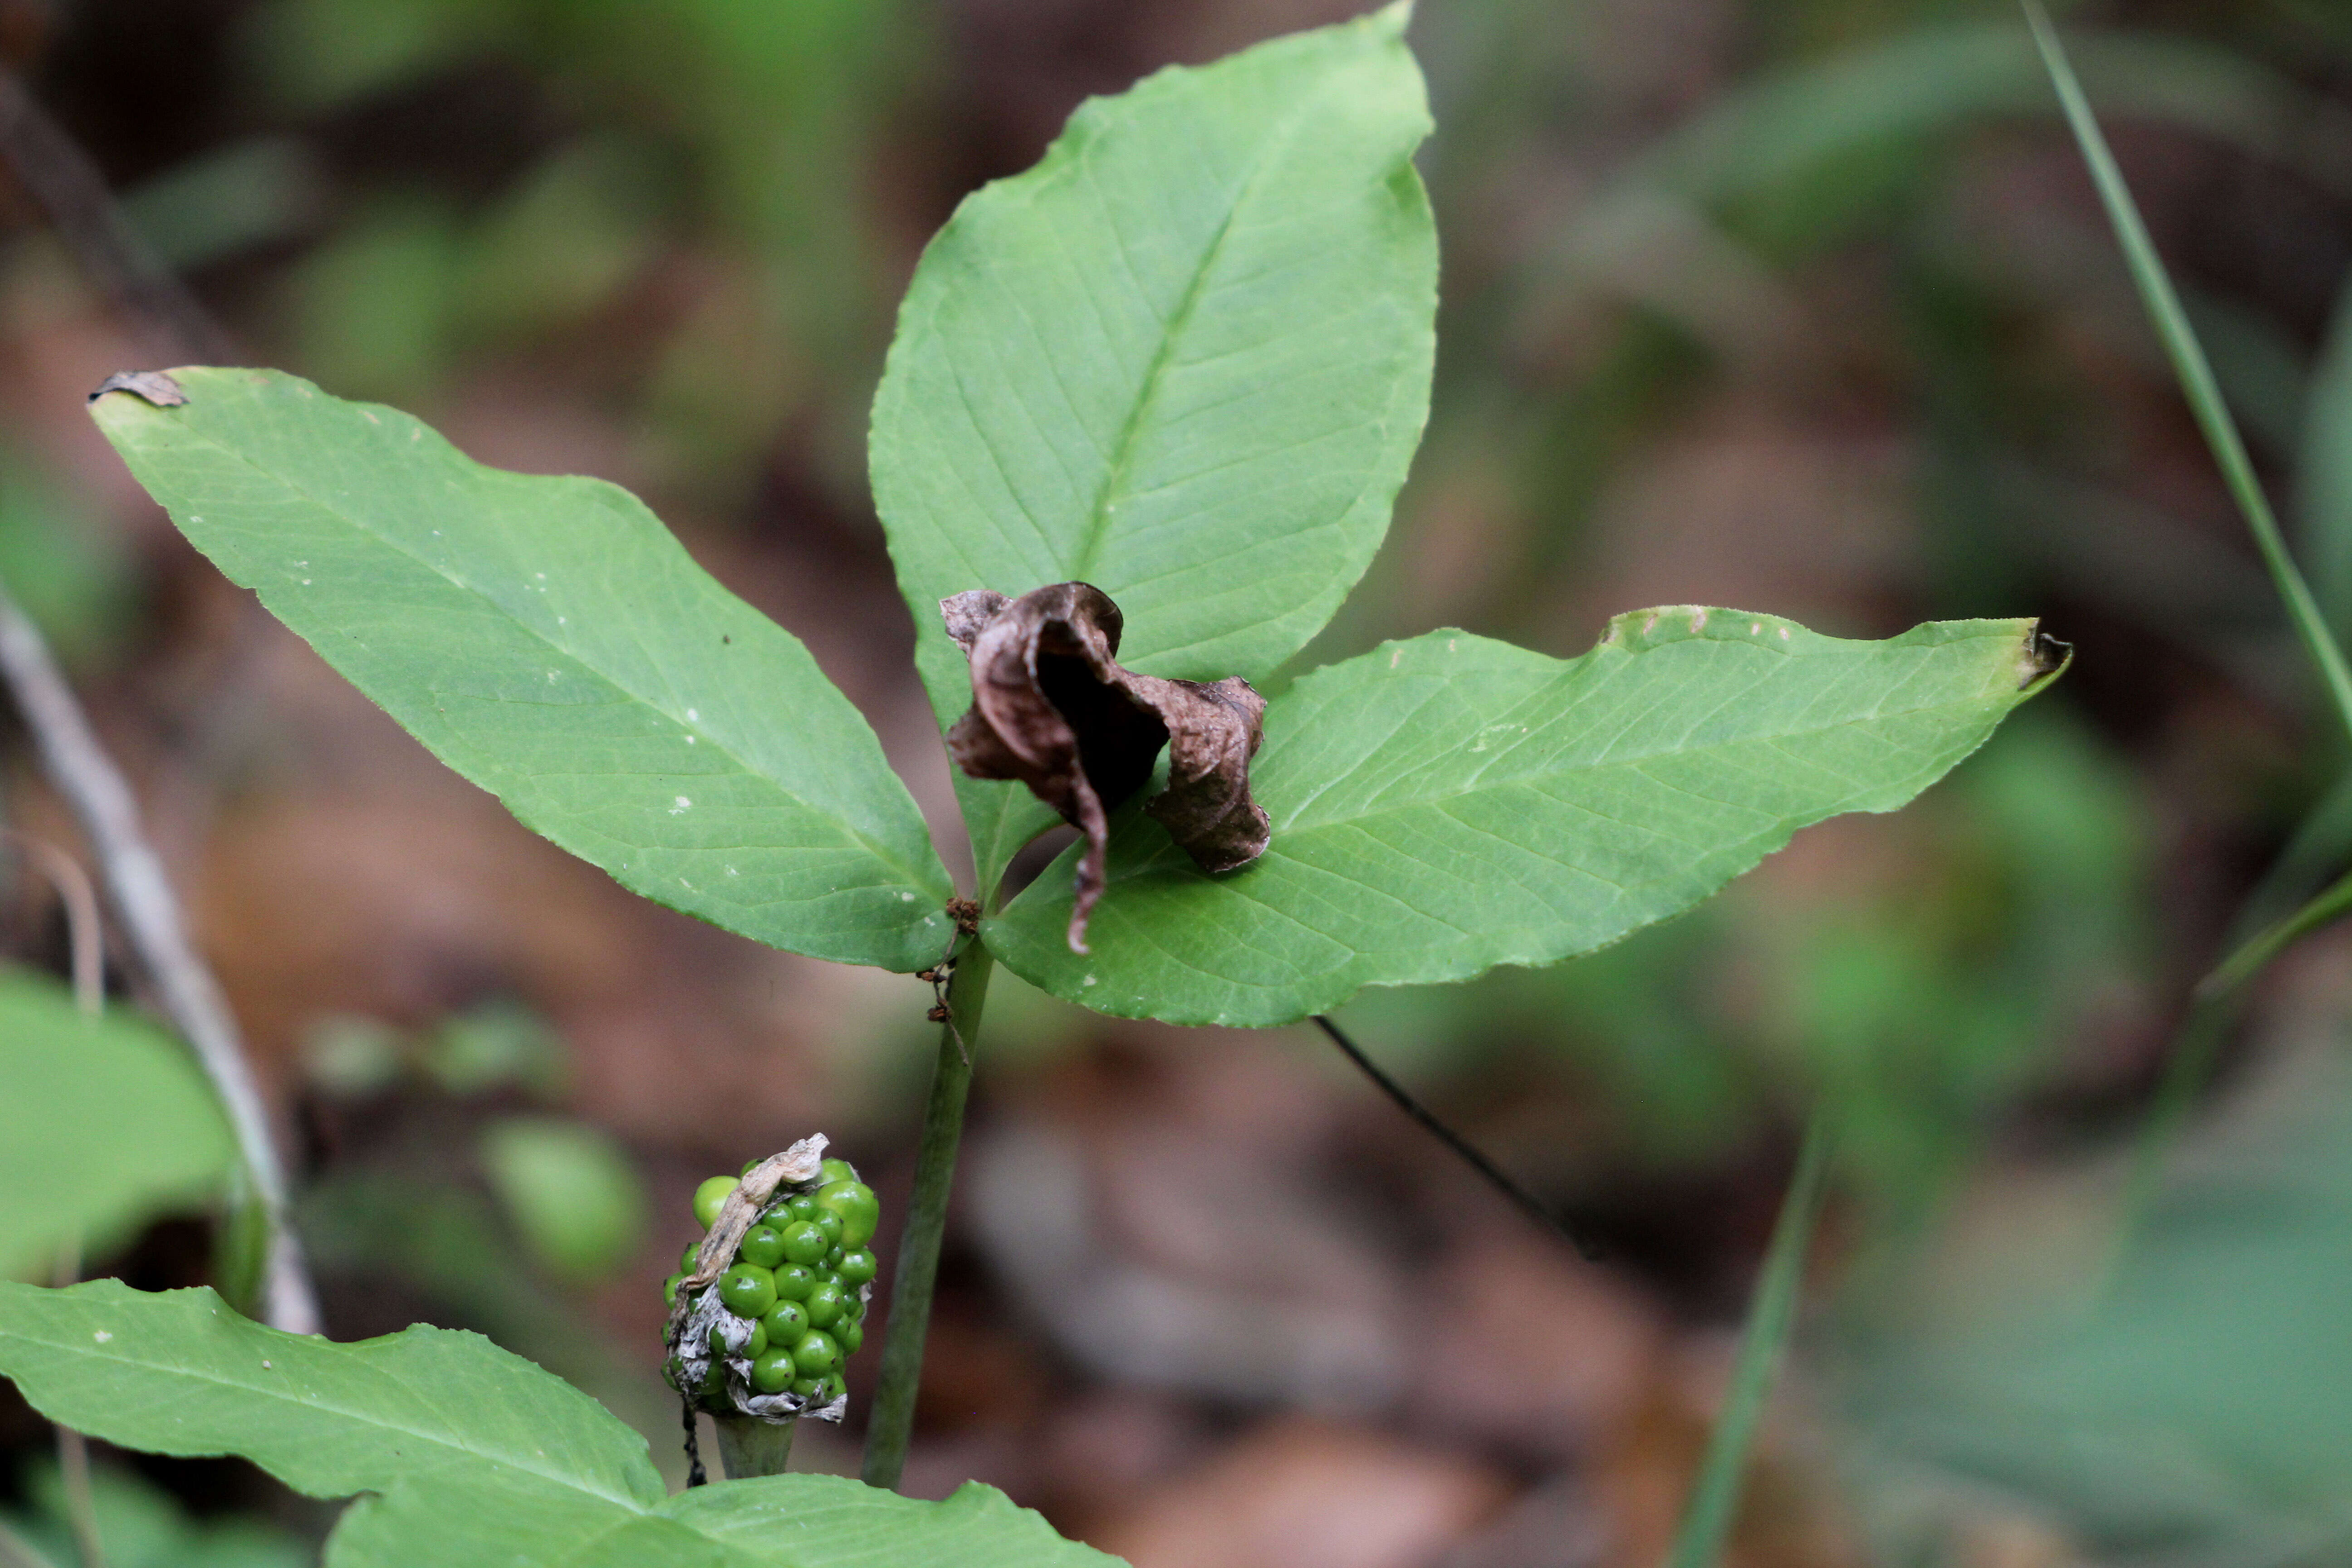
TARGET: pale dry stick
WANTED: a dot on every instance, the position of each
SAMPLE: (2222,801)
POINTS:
(60,176)
(15,1551)
(149,914)
(86,942)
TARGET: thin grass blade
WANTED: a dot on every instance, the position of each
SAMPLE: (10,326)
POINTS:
(1771,1316)
(2188,362)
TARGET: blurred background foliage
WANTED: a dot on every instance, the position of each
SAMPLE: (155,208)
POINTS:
(1801,306)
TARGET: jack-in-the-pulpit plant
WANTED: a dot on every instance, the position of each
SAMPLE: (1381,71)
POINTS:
(1175,373)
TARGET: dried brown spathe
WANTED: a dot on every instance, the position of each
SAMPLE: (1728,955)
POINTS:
(1051,706)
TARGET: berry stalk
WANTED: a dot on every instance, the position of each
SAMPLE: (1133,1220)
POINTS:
(749,1446)
(892,1417)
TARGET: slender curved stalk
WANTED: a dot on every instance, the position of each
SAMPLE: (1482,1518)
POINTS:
(893,1419)
(2188,363)
(749,1448)
(1526,1202)
(1771,1315)
(143,901)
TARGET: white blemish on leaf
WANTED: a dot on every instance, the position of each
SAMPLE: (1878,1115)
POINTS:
(1784,633)
(1699,620)
(1649,626)
(692,717)
(682,803)
(102,1336)
(1755,628)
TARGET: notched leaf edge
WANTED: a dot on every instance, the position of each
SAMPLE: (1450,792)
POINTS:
(1051,708)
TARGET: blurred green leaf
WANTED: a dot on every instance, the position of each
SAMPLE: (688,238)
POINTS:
(103,1123)
(1186,358)
(551,641)
(143,1526)
(373,306)
(57,560)
(562,243)
(248,194)
(2201,1413)
(1449,804)
(571,1192)
(500,1045)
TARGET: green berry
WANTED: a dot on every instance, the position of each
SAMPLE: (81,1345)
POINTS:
(763,1247)
(669,1290)
(829,1223)
(786,1322)
(808,1387)
(857,1267)
(859,1209)
(795,1282)
(805,1243)
(816,1353)
(772,1371)
(801,1205)
(832,1264)
(836,1170)
(686,1258)
(849,1334)
(824,1301)
(707,1198)
(748,1291)
(834,1389)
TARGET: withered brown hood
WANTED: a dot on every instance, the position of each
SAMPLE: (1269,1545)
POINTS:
(1051,708)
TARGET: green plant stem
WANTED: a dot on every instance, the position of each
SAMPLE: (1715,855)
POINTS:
(749,1448)
(2188,363)
(2255,954)
(1771,1315)
(917,1269)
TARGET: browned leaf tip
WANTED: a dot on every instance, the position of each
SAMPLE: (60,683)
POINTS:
(1051,708)
(153,386)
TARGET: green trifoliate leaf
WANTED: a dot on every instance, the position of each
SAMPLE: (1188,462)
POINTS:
(103,1122)
(548,639)
(478,1458)
(1449,804)
(1185,358)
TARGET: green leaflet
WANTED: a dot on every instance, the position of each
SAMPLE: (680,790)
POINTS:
(479,1458)
(102,1122)
(1449,804)
(548,639)
(1185,358)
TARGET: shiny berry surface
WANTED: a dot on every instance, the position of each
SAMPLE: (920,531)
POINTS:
(709,1196)
(795,1282)
(806,1244)
(816,1353)
(857,1267)
(772,1371)
(824,1302)
(762,1246)
(859,1209)
(748,1291)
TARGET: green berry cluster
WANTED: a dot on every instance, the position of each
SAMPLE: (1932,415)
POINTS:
(799,1279)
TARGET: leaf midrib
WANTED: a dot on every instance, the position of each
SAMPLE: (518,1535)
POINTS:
(571,1483)
(718,744)
(1091,541)
(1639,759)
